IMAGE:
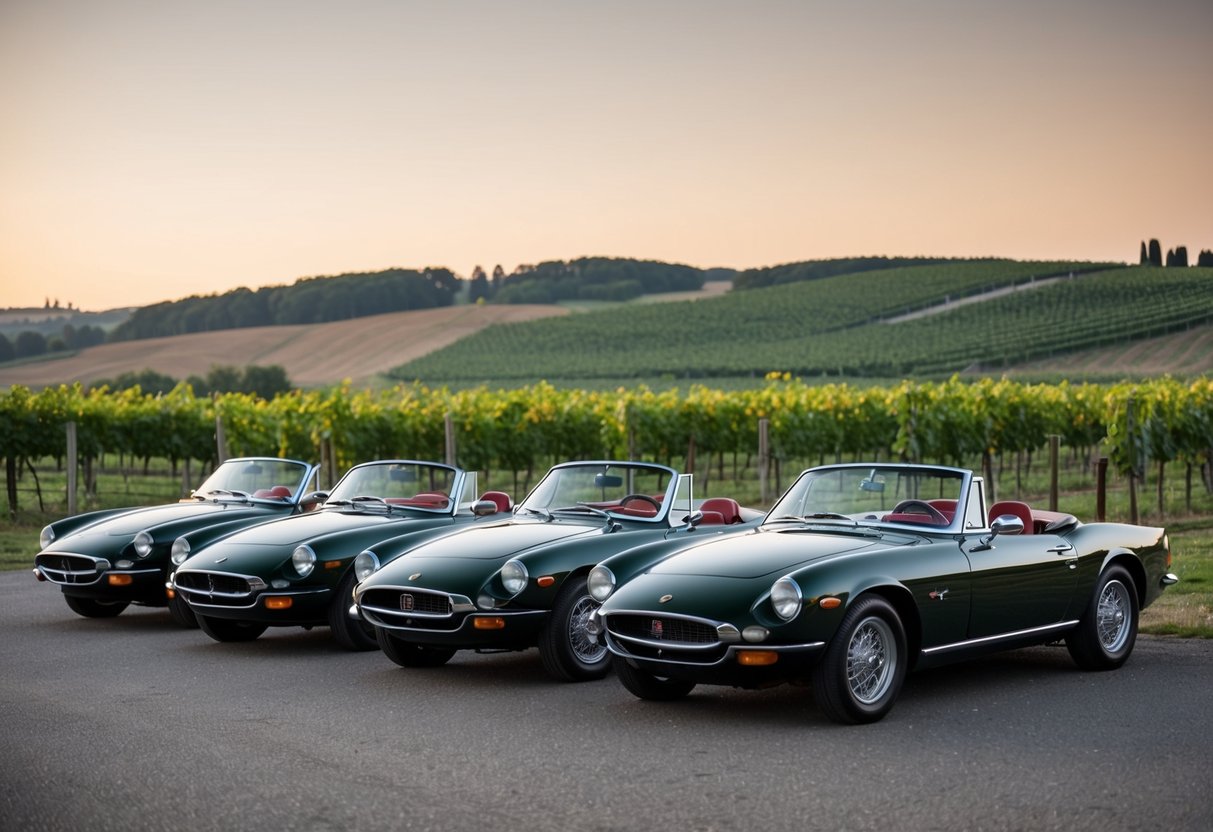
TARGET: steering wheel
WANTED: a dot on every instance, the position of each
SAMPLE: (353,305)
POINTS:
(644,498)
(921,507)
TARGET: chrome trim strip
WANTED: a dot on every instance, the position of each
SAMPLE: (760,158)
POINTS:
(729,654)
(378,622)
(669,644)
(727,633)
(459,603)
(959,645)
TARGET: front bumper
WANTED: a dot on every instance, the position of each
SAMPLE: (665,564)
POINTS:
(249,598)
(83,576)
(708,652)
(452,621)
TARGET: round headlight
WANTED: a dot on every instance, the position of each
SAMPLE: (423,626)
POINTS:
(513,577)
(365,565)
(600,583)
(143,544)
(785,598)
(303,559)
(46,538)
(180,551)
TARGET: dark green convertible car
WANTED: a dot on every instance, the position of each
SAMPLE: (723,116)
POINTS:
(106,560)
(297,572)
(862,572)
(521,583)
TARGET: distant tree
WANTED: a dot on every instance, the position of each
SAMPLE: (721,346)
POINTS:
(1155,253)
(479,287)
(265,382)
(1205,258)
(56,344)
(1144,260)
(149,381)
(29,344)
(223,379)
(1181,257)
(498,280)
(6,349)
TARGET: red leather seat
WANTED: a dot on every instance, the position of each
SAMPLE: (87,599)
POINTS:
(726,507)
(279,491)
(1020,510)
(499,497)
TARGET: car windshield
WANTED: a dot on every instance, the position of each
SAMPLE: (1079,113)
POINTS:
(632,490)
(920,495)
(419,485)
(278,479)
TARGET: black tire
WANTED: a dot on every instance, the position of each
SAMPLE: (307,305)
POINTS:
(181,613)
(860,676)
(568,650)
(407,654)
(1107,631)
(645,685)
(350,633)
(227,629)
(91,608)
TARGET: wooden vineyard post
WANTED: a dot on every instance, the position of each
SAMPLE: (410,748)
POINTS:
(1101,489)
(1054,455)
(220,440)
(764,458)
(72,462)
(448,424)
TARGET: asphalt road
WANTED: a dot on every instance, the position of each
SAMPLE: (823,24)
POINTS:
(133,724)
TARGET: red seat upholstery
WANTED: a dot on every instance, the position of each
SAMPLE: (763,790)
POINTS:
(1020,510)
(726,507)
(279,491)
(499,497)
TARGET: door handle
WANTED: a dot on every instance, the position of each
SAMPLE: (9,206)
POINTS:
(1060,549)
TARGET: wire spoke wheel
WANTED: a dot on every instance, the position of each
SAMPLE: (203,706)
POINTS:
(870,662)
(584,645)
(1113,616)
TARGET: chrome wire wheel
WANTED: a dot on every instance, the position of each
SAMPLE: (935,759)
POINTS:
(1113,616)
(584,645)
(871,660)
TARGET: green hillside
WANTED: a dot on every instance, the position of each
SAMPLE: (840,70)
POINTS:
(840,325)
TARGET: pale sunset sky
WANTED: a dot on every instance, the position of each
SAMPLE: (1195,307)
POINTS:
(153,149)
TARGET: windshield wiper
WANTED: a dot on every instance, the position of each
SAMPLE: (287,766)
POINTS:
(542,512)
(584,508)
(239,495)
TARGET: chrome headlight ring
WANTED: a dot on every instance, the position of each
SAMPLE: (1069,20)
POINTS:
(180,551)
(786,598)
(365,565)
(143,544)
(600,583)
(304,560)
(514,576)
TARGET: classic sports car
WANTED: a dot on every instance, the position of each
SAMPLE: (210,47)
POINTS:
(296,572)
(521,583)
(107,560)
(861,572)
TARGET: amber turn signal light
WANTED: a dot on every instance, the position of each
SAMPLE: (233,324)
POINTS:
(830,603)
(120,580)
(546,580)
(757,658)
(279,602)
(489,623)
(170,593)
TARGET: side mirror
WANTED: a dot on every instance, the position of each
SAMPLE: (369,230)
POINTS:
(694,518)
(1003,524)
(1007,524)
(312,499)
(483,508)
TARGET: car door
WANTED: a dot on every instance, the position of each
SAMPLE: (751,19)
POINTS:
(1019,582)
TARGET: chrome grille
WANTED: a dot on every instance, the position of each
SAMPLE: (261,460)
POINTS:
(70,569)
(397,607)
(661,628)
(219,589)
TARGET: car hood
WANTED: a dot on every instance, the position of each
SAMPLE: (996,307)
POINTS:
(291,531)
(503,540)
(111,534)
(760,553)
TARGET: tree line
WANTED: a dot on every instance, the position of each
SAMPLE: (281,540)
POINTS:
(587,278)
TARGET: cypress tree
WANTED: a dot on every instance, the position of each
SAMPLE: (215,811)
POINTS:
(1155,253)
